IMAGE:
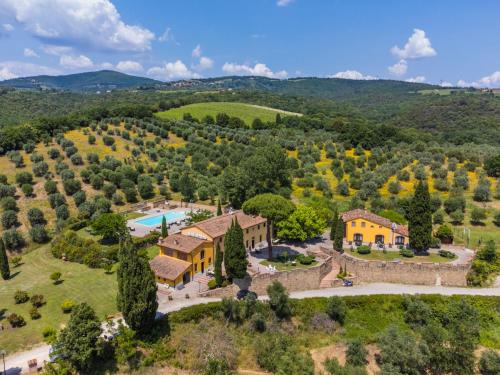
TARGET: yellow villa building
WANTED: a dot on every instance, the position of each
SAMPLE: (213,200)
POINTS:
(191,251)
(364,227)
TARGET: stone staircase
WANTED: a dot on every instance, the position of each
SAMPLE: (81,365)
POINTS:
(329,280)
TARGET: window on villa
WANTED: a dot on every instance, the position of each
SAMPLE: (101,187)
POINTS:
(264,225)
(260,238)
(353,223)
(168,252)
(182,256)
(209,260)
(400,240)
(247,231)
(202,254)
(247,243)
(363,224)
(258,226)
(196,267)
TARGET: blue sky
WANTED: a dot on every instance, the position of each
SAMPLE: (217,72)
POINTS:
(437,41)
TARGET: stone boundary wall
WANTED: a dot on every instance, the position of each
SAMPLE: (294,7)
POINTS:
(404,273)
(296,280)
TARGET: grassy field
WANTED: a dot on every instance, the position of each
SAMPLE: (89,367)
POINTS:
(393,255)
(80,284)
(246,112)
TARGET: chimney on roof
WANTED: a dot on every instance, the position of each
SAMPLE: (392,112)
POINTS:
(176,242)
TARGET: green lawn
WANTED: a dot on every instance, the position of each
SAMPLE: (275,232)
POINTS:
(246,112)
(133,215)
(392,255)
(152,251)
(282,266)
(80,284)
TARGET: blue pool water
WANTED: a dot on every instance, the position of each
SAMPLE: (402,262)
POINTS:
(156,220)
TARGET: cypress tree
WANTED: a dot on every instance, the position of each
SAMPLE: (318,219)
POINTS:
(4,262)
(219,256)
(219,208)
(333,228)
(338,242)
(164,230)
(136,290)
(420,219)
(235,254)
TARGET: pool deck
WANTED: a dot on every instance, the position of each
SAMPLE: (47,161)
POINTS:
(141,230)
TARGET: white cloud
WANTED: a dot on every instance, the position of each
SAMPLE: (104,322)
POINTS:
(7,27)
(75,62)
(446,84)
(257,70)
(5,73)
(172,70)
(399,68)
(166,36)
(196,51)
(106,65)
(28,52)
(417,46)
(417,79)
(129,66)
(491,80)
(352,74)
(93,24)
(56,50)
(283,3)
(13,69)
(205,63)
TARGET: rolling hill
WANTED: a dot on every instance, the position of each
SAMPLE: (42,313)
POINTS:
(88,81)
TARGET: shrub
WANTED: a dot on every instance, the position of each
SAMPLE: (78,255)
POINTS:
(37,300)
(35,314)
(305,259)
(477,216)
(356,353)
(39,234)
(364,249)
(21,296)
(24,178)
(496,219)
(9,219)
(35,216)
(27,190)
(67,306)
(16,320)
(278,300)
(55,277)
(322,322)
(9,203)
(457,217)
(407,253)
(62,212)
(336,309)
(13,240)
(212,284)
(489,364)
(445,234)
(446,254)
(49,334)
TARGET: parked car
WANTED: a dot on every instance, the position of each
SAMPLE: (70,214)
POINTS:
(243,293)
(347,283)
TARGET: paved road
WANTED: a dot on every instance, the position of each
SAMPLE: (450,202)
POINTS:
(18,362)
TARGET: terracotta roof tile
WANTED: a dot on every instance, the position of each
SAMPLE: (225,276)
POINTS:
(370,216)
(180,242)
(217,226)
(167,267)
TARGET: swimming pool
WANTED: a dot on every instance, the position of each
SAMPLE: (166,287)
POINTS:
(153,221)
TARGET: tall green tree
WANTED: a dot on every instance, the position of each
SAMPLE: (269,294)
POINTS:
(164,230)
(235,255)
(278,300)
(136,290)
(79,342)
(112,227)
(219,208)
(420,219)
(333,228)
(338,241)
(4,262)
(219,257)
(274,208)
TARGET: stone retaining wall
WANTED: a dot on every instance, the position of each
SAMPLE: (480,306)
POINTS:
(296,280)
(404,272)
